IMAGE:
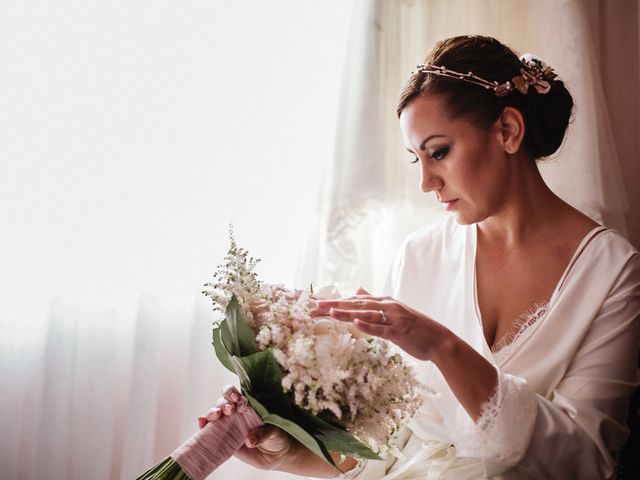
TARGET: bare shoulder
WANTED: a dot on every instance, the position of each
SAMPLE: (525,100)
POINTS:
(573,226)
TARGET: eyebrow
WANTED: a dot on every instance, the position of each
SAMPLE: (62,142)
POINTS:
(424,142)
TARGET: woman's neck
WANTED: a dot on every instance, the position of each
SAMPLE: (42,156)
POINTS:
(529,208)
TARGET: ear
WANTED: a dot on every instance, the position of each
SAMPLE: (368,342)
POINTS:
(510,126)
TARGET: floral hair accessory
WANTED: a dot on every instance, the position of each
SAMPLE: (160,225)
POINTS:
(533,73)
(536,74)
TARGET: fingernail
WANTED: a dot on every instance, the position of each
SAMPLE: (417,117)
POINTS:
(234,397)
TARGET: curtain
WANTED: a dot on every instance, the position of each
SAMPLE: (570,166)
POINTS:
(107,396)
(131,135)
(370,199)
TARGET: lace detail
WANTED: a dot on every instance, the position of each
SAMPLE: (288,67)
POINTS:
(503,431)
(520,329)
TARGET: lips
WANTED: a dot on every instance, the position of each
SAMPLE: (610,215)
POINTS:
(449,204)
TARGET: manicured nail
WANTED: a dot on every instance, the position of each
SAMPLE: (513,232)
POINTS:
(234,397)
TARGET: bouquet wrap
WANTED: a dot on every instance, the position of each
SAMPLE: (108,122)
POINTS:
(216,442)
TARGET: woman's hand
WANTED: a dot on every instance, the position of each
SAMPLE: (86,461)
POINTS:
(265,447)
(271,448)
(414,332)
(471,377)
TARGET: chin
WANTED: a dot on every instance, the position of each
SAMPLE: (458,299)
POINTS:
(465,218)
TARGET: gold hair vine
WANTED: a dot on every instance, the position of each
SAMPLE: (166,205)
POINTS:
(534,73)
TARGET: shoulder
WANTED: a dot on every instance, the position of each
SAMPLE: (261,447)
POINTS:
(615,240)
(611,248)
(614,262)
(618,251)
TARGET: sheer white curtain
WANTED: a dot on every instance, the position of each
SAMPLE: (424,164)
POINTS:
(131,134)
(370,199)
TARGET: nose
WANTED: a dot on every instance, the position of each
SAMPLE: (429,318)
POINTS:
(429,180)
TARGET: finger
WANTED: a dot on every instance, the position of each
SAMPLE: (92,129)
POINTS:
(362,291)
(202,421)
(356,303)
(229,409)
(251,441)
(221,402)
(262,435)
(377,330)
(258,435)
(231,393)
(370,316)
(214,414)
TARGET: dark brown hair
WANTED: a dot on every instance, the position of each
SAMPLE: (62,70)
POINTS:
(546,116)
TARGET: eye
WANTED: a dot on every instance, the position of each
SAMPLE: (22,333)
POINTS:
(440,153)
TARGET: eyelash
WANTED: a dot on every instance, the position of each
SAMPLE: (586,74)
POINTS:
(437,155)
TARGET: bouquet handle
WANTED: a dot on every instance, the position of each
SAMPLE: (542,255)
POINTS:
(216,442)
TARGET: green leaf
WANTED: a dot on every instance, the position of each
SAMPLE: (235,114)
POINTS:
(335,438)
(292,429)
(228,340)
(256,405)
(263,369)
(244,338)
(221,351)
(245,380)
(261,376)
(264,375)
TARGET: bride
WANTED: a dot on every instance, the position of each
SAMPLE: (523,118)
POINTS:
(521,313)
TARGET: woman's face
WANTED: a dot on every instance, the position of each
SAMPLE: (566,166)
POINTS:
(464,165)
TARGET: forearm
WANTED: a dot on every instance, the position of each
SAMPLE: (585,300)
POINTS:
(471,377)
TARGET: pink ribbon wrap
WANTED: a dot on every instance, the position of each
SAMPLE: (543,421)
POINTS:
(216,442)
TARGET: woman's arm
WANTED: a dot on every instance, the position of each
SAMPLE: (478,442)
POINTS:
(579,429)
(572,434)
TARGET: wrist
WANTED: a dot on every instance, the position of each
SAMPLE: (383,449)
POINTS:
(446,348)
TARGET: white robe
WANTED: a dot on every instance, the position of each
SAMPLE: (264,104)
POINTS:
(560,410)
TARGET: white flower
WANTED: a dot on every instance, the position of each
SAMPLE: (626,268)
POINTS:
(330,368)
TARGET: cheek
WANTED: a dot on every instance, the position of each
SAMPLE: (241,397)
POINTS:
(481,177)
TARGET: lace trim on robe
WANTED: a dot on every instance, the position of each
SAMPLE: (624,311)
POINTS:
(503,431)
(520,330)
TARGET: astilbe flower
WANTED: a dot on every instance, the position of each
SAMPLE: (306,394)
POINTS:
(333,370)
(330,368)
(235,276)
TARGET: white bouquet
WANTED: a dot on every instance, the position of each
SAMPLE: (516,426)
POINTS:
(322,381)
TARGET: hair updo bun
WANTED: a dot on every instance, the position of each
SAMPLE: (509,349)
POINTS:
(546,115)
(548,118)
